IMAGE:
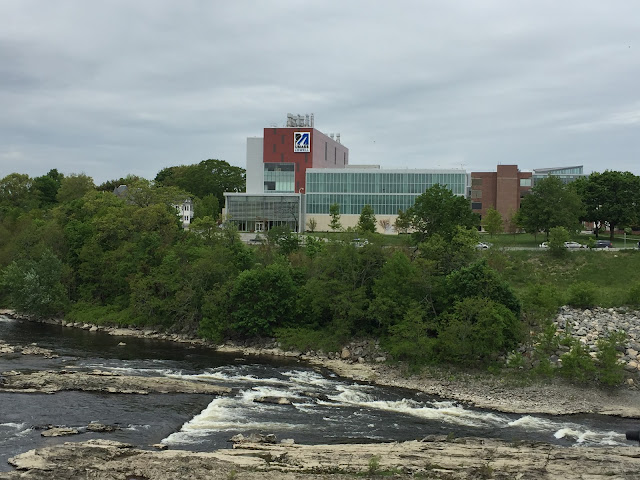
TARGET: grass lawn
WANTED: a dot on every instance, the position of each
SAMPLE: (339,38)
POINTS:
(613,272)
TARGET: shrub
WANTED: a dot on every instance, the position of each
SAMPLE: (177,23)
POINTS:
(557,237)
(480,280)
(610,371)
(304,339)
(583,294)
(540,302)
(478,329)
(577,364)
(408,339)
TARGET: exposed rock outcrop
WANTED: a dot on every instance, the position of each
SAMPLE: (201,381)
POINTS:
(438,459)
(101,381)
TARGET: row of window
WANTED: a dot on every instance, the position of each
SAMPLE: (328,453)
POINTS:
(376,182)
(279,177)
(276,207)
(352,204)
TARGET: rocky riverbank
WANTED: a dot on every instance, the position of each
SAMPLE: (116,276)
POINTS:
(590,325)
(364,361)
(434,458)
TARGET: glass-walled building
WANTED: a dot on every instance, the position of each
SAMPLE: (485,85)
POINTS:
(387,191)
(259,213)
(566,174)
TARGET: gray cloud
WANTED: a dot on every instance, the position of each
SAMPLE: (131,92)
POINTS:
(111,88)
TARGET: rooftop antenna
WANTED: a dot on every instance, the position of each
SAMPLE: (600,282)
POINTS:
(338,137)
(312,120)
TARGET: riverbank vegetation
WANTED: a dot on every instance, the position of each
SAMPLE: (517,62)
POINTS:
(431,297)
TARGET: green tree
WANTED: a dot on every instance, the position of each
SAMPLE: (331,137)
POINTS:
(15,191)
(452,254)
(514,222)
(312,224)
(557,237)
(35,286)
(551,204)
(409,338)
(206,206)
(209,177)
(334,212)
(479,280)
(402,223)
(477,329)
(74,186)
(438,210)
(398,286)
(611,199)
(492,222)
(263,299)
(46,187)
(367,221)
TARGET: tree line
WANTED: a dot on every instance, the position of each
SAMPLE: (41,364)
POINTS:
(96,257)
(70,248)
(609,200)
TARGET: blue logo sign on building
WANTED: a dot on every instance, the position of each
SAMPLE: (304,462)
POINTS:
(302,141)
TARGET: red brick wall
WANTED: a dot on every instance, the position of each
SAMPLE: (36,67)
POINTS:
(278,148)
(500,190)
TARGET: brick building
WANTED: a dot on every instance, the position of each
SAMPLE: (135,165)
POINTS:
(502,190)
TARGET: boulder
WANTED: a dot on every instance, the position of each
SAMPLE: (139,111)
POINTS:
(253,438)
(274,400)
(99,427)
(59,432)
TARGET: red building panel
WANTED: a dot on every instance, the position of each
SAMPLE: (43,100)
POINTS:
(278,147)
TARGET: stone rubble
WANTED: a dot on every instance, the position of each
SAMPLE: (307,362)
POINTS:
(590,325)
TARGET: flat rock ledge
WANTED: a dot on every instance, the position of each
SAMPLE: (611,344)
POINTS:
(101,381)
(433,458)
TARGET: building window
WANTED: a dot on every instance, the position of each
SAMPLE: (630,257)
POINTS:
(274,148)
(325,151)
(282,139)
(306,158)
(476,206)
(525,182)
(476,193)
(476,182)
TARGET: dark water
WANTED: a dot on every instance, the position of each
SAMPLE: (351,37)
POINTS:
(325,408)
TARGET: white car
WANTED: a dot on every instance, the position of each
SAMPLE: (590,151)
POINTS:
(482,246)
(544,245)
(573,245)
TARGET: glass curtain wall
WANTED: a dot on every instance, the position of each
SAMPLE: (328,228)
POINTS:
(267,210)
(279,177)
(386,192)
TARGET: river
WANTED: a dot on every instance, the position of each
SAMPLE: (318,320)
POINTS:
(325,408)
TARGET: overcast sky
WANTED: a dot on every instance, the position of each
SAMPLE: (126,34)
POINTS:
(113,88)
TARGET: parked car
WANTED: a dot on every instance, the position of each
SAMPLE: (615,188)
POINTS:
(482,246)
(603,244)
(573,245)
(544,245)
(357,242)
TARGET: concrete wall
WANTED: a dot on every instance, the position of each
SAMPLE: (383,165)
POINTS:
(255,171)
(322,222)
